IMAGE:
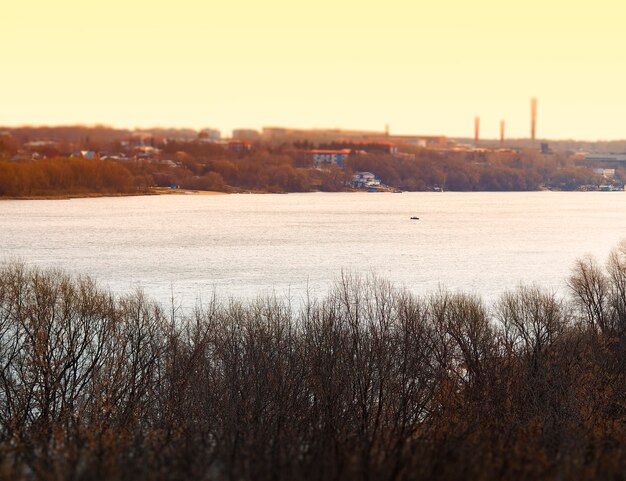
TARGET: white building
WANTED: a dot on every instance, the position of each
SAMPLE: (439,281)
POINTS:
(606,157)
(365,180)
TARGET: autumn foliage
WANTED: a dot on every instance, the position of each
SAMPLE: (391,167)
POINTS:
(525,170)
(61,176)
(369,383)
(46,161)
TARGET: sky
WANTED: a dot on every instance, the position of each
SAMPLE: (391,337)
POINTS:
(423,67)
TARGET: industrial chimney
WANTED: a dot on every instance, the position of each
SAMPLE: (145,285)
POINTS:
(476,129)
(502,131)
(533,118)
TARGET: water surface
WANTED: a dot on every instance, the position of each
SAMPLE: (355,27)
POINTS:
(249,245)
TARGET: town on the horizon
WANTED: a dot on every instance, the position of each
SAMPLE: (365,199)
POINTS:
(284,159)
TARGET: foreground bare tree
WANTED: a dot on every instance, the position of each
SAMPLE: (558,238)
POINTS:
(368,383)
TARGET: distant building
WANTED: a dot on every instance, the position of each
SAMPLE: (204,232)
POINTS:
(168,162)
(142,140)
(336,157)
(618,158)
(404,156)
(284,134)
(606,173)
(146,152)
(435,141)
(118,157)
(374,146)
(210,134)
(39,144)
(246,134)
(239,146)
(365,180)
(84,154)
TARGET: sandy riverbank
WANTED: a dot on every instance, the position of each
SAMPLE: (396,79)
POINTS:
(89,195)
(168,191)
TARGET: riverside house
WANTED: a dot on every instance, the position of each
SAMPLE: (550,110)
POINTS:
(365,180)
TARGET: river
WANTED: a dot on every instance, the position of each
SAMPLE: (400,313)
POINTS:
(243,246)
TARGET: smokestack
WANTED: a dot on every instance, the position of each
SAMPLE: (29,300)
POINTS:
(502,131)
(476,129)
(533,118)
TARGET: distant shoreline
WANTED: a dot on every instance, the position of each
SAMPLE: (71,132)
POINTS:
(94,195)
(169,191)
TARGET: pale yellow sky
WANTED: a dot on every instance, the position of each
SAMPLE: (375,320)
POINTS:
(424,67)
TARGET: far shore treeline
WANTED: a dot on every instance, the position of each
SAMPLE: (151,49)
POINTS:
(367,383)
(101,160)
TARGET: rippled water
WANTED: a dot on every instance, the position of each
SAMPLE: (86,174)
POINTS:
(249,245)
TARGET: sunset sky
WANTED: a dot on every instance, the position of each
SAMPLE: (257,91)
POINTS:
(424,67)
